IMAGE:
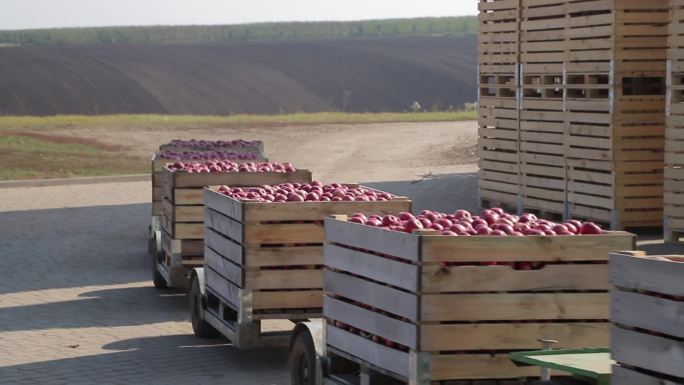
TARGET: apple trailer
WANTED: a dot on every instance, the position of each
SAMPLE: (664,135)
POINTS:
(420,308)
(264,262)
(158,163)
(179,245)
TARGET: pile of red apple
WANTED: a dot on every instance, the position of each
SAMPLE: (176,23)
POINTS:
(207,155)
(492,222)
(306,192)
(239,143)
(227,167)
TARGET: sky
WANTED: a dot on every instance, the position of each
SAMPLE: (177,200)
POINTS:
(29,14)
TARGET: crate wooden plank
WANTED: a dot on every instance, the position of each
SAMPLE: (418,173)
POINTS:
(224,225)
(283,233)
(369,321)
(225,247)
(625,376)
(223,267)
(510,336)
(380,296)
(650,352)
(227,290)
(395,273)
(514,306)
(379,240)
(655,274)
(282,256)
(262,279)
(476,366)
(437,279)
(315,211)
(379,355)
(502,249)
(303,299)
(647,312)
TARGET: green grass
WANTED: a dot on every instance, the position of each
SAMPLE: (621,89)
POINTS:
(203,121)
(35,158)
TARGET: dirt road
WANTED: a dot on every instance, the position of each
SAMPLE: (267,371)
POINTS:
(347,153)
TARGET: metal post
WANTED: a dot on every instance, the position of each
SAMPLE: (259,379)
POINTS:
(546,345)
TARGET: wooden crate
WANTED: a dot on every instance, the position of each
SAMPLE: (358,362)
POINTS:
(272,252)
(624,194)
(647,303)
(498,42)
(450,314)
(184,202)
(158,164)
(674,155)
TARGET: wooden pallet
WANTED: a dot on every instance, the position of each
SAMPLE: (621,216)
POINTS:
(273,251)
(447,313)
(648,331)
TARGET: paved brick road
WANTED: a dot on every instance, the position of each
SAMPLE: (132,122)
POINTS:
(77,306)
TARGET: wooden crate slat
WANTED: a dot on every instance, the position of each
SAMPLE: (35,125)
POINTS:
(508,336)
(514,306)
(650,352)
(647,312)
(399,274)
(502,249)
(373,322)
(651,274)
(223,267)
(476,366)
(625,376)
(303,299)
(261,279)
(380,296)
(379,355)
(503,278)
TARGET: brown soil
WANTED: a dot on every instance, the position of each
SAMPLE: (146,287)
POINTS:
(261,77)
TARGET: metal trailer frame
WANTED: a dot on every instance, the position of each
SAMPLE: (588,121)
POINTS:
(211,311)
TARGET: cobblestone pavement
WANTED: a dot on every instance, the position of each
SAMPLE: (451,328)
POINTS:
(77,306)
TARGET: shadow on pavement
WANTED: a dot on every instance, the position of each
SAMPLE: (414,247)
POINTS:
(175,359)
(74,247)
(103,308)
(445,192)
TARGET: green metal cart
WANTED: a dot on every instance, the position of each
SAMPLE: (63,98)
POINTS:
(587,366)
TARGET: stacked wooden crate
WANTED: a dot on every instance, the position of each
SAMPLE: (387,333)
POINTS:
(542,117)
(265,260)
(182,219)
(498,101)
(674,146)
(427,308)
(615,103)
(647,303)
(592,109)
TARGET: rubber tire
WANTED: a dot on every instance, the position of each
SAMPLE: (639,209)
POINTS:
(157,279)
(200,327)
(303,353)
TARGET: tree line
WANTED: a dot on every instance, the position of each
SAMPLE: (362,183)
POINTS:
(258,31)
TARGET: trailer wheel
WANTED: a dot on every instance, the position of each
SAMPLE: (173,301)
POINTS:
(200,327)
(157,254)
(303,361)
